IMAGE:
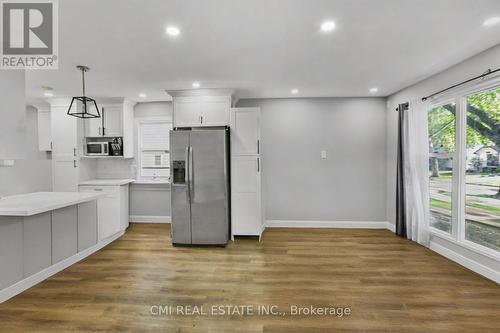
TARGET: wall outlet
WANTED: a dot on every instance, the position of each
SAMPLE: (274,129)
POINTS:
(6,163)
(323,154)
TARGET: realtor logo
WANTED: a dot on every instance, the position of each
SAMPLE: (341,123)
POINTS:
(28,34)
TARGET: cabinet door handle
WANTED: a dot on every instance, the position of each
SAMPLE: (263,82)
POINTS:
(258,146)
(201,120)
(103,131)
(258,164)
(98,189)
(74,163)
(74,152)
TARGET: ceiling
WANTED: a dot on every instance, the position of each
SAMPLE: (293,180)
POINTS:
(262,48)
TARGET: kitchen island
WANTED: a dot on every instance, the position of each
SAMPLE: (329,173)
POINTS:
(44,232)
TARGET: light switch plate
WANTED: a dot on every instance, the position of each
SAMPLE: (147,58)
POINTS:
(323,154)
(6,163)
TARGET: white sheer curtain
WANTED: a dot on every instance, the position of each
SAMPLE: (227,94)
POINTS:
(416,158)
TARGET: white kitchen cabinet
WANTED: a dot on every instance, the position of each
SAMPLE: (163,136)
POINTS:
(215,111)
(117,120)
(113,125)
(65,160)
(246,203)
(44,129)
(112,209)
(108,125)
(187,112)
(245,125)
(93,127)
(246,173)
(201,108)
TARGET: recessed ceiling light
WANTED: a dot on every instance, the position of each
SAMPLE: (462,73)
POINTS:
(374,90)
(327,26)
(143,95)
(195,84)
(491,21)
(294,91)
(173,31)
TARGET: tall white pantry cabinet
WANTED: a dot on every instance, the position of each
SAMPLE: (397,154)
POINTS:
(246,173)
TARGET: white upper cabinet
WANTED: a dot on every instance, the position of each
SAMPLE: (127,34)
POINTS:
(245,131)
(117,120)
(215,111)
(110,123)
(187,112)
(93,127)
(113,124)
(200,108)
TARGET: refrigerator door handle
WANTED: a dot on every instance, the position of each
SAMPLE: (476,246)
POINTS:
(186,175)
(191,174)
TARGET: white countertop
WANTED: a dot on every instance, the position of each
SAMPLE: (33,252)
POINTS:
(41,202)
(107,182)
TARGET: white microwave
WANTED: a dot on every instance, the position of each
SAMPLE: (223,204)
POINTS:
(98,148)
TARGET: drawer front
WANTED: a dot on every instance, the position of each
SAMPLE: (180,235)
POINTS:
(110,191)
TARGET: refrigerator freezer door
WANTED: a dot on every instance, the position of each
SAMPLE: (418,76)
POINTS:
(179,166)
(209,195)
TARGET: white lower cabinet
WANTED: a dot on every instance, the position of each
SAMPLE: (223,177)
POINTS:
(112,209)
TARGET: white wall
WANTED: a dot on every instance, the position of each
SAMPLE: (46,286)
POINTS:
(298,185)
(33,172)
(465,70)
(13,114)
(145,200)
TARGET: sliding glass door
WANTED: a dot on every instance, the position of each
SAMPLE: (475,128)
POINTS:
(464,169)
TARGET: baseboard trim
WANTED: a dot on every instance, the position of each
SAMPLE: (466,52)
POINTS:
(466,262)
(327,224)
(36,278)
(149,219)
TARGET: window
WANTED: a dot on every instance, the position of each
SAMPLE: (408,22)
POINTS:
(442,144)
(154,156)
(482,179)
(464,169)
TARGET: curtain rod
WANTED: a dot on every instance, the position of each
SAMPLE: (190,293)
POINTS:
(488,72)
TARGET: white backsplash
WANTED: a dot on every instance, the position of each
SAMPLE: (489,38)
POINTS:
(116,168)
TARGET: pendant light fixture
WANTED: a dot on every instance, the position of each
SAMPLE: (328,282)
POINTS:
(83,106)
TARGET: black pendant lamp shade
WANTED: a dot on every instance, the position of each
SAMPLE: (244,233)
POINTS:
(83,106)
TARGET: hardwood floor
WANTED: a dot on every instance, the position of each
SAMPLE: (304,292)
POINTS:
(389,284)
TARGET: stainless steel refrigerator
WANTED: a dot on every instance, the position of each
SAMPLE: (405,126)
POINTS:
(199,164)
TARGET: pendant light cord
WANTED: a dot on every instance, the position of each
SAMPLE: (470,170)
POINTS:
(83,80)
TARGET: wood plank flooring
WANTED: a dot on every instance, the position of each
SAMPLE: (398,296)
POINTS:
(390,285)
